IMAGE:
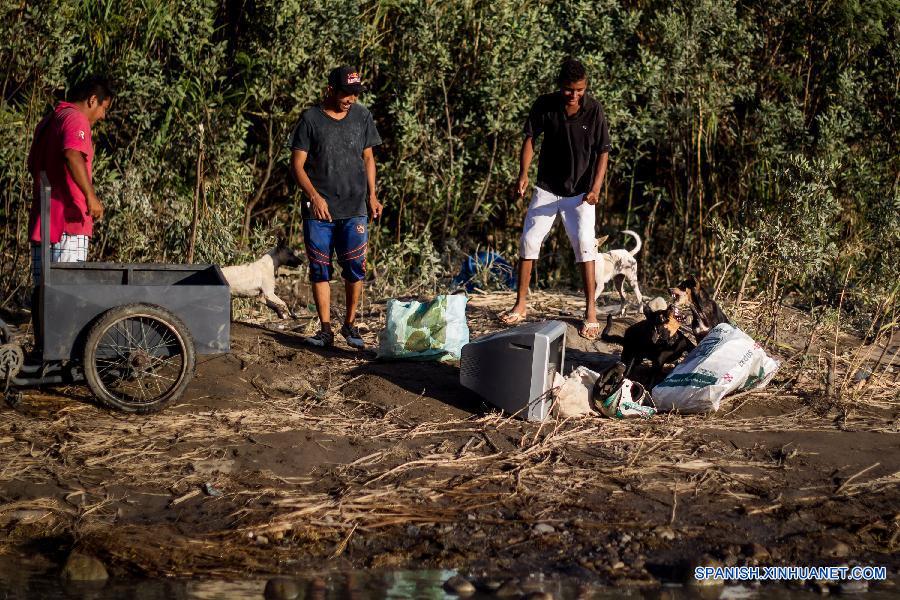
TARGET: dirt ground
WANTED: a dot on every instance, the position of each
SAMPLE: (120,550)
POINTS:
(284,458)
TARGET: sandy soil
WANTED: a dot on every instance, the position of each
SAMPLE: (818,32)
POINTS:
(282,458)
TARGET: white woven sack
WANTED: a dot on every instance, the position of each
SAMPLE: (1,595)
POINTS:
(727,360)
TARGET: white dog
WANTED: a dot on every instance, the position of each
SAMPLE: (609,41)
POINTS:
(618,265)
(258,278)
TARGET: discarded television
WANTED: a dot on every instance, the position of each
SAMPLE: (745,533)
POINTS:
(513,369)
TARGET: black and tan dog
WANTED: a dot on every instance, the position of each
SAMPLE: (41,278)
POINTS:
(657,338)
(705,312)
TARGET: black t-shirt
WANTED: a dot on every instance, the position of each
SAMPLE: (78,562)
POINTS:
(571,145)
(334,163)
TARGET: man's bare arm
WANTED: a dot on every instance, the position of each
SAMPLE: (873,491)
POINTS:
(319,206)
(78,169)
(375,206)
(593,196)
(525,157)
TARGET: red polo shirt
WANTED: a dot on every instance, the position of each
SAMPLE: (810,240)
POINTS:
(67,128)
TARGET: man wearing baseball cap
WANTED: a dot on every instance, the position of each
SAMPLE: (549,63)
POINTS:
(332,160)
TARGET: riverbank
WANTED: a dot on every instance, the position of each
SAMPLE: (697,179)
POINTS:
(282,458)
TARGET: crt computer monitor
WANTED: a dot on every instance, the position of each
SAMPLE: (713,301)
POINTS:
(513,369)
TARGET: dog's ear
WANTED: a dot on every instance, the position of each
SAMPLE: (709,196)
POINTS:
(648,312)
(601,239)
(282,242)
(690,282)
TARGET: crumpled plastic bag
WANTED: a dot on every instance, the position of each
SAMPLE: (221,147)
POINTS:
(727,360)
(433,330)
(627,402)
(573,398)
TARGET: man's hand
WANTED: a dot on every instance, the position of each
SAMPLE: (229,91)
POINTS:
(522,185)
(375,207)
(592,197)
(94,208)
(320,208)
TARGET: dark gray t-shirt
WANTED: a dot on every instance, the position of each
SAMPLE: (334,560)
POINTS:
(334,163)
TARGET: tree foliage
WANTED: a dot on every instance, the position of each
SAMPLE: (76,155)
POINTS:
(751,141)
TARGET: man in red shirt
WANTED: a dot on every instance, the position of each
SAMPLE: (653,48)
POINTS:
(63,148)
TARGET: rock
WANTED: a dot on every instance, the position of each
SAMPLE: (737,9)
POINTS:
(820,586)
(489,585)
(543,528)
(262,540)
(853,587)
(412,531)
(509,589)
(539,596)
(703,561)
(835,548)
(624,539)
(658,303)
(459,585)
(281,588)
(756,551)
(83,567)
(665,533)
(647,583)
(618,565)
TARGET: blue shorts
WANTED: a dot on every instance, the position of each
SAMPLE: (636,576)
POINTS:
(347,238)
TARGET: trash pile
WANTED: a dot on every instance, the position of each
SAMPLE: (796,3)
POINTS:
(726,361)
(520,369)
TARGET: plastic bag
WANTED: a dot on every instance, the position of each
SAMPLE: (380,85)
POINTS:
(627,402)
(573,399)
(434,330)
(727,360)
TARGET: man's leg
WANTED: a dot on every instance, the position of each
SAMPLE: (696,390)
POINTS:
(351,244)
(579,218)
(538,222)
(526,265)
(321,291)
(318,239)
(589,276)
(352,293)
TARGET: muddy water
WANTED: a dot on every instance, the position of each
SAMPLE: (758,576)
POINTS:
(20,580)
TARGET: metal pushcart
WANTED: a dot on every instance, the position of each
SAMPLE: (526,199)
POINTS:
(130,331)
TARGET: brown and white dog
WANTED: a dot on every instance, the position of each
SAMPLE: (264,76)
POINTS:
(618,265)
(705,312)
(258,278)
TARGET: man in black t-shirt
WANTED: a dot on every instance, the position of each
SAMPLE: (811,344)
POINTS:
(333,162)
(571,169)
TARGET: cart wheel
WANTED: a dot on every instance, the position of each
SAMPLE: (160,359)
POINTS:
(137,357)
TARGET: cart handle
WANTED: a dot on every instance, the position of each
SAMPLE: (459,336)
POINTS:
(45,229)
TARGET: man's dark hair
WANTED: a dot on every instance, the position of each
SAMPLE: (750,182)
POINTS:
(94,85)
(570,71)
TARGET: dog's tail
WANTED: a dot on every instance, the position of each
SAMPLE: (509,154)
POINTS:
(637,238)
(606,337)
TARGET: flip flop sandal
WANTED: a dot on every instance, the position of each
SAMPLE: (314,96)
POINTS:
(590,331)
(511,318)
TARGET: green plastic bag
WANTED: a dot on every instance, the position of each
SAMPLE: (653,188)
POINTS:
(434,330)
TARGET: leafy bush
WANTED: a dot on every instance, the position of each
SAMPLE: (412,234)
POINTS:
(740,129)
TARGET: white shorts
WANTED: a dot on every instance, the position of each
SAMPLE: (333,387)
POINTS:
(578,217)
(69,248)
